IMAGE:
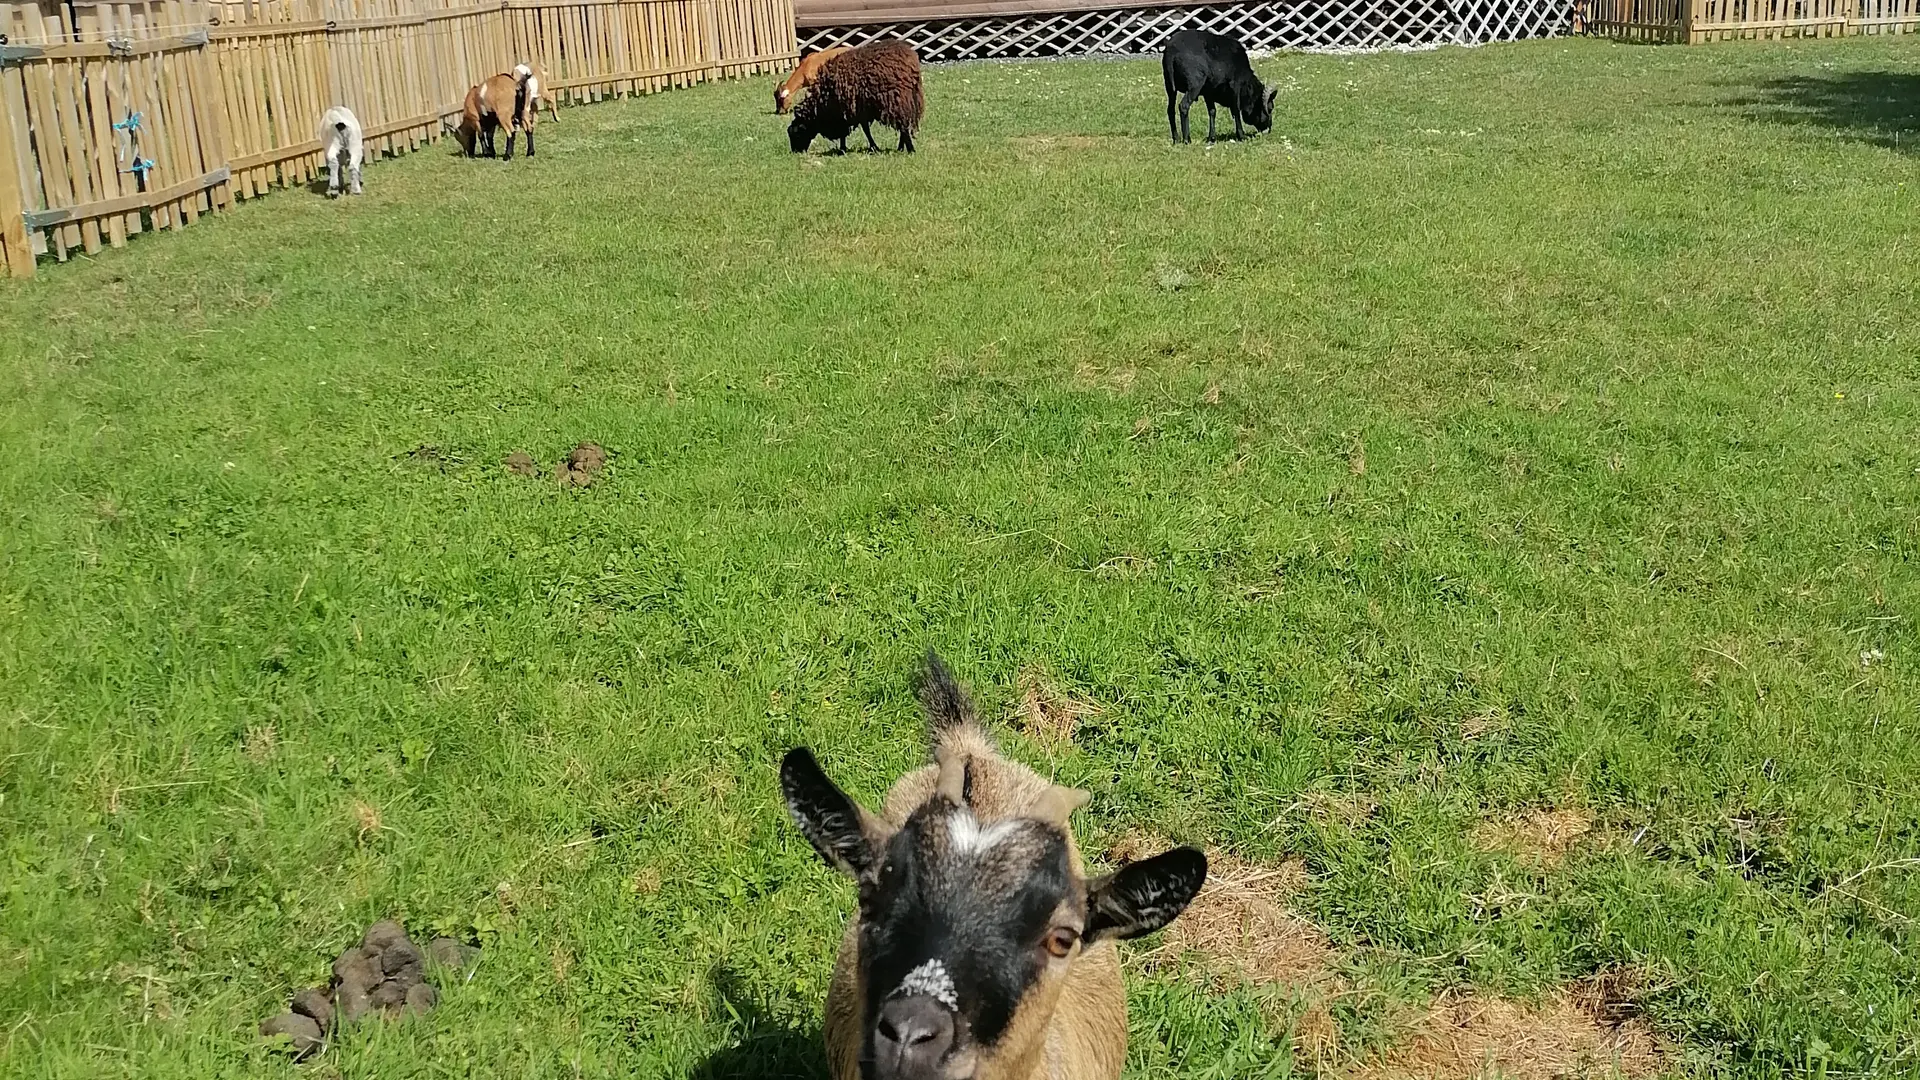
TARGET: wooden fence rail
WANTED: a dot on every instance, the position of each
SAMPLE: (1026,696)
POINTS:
(121,117)
(1695,21)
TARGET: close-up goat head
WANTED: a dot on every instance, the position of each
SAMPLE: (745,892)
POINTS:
(981,950)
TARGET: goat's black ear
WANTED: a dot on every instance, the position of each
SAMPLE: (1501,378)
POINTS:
(838,828)
(1271,95)
(1144,896)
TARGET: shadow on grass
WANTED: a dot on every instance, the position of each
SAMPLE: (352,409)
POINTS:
(1878,107)
(765,1047)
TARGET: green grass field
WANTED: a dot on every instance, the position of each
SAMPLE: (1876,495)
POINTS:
(1515,428)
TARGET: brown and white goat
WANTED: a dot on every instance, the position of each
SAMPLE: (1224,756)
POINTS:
(981,950)
(803,76)
(539,93)
(499,101)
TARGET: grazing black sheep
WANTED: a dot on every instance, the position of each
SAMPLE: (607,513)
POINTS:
(1215,67)
(877,81)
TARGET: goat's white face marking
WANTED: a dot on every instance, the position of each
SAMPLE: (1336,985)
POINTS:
(969,836)
(931,979)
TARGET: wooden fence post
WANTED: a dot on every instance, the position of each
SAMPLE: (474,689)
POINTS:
(13,222)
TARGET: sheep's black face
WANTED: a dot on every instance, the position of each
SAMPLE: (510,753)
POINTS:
(799,135)
(1257,107)
(968,928)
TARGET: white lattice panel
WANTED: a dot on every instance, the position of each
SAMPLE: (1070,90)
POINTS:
(1345,24)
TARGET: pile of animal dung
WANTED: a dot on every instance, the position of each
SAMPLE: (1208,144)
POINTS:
(386,973)
(580,468)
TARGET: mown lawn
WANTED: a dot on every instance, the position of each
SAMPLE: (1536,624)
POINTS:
(1516,428)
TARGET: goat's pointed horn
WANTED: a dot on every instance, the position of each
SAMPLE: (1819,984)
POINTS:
(953,784)
(1057,804)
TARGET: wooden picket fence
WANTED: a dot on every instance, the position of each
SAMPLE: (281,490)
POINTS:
(1696,21)
(116,118)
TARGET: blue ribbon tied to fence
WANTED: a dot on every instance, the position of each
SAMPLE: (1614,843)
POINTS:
(140,165)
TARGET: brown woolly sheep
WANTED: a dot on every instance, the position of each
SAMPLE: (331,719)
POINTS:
(803,76)
(499,101)
(981,951)
(877,81)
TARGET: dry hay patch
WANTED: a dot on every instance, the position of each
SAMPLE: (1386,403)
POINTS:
(1027,144)
(1047,713)
(1116,379)
(1538,837)
(1241,921)
(1575,1032)
(1349,809)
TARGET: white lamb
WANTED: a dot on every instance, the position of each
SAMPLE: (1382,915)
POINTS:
(340,134)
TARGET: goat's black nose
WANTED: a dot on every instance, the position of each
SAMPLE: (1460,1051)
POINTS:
(912,1038)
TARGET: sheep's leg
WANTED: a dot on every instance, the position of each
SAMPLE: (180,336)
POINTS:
(354,172)
(1238,131)
(906,139)
(867,130)
(529,142)
(1210,135)
(1171,124)
(509,156)
(843,143)
(333,175)
(1186,106)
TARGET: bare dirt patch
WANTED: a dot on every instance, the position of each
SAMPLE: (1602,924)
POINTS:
(1566,1034)
(1046,712)
(520,463)
(582,466)
(1539,837)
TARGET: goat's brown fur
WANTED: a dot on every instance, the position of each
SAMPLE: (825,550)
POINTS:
(879,81)
(499,101)
(1072,1027)
(545,101)
(803,76)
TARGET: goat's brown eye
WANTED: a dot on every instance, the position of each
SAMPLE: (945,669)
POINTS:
(1061,939)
